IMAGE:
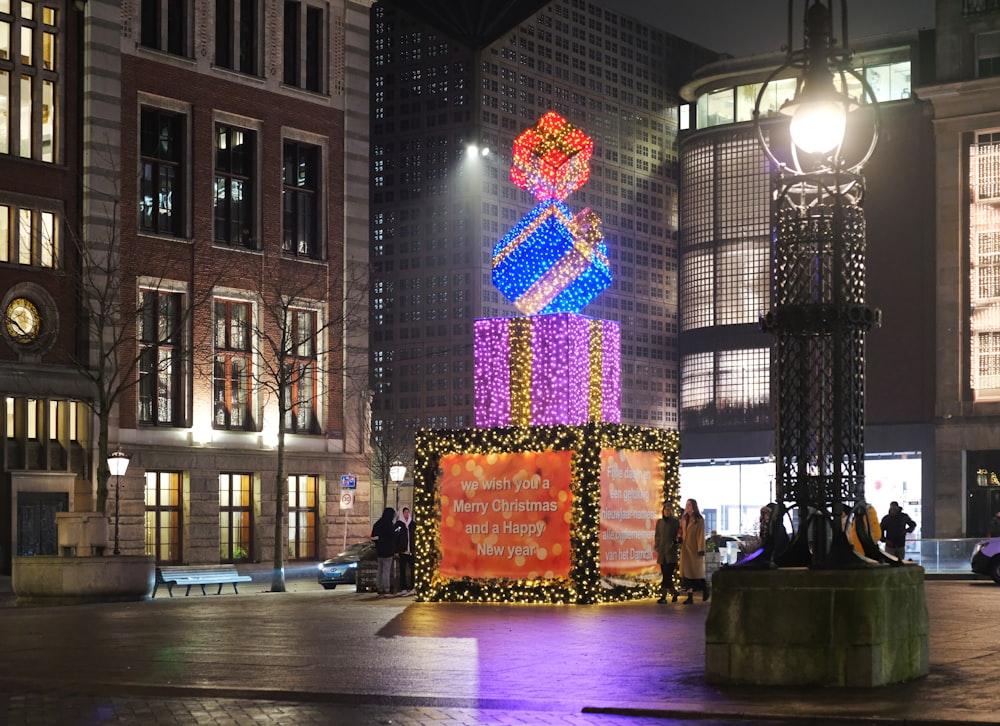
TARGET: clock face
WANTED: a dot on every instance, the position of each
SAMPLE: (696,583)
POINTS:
(22,320)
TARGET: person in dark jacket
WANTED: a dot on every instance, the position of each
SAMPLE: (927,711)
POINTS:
(665,544)
(405,530)
(895,526)
(384,536)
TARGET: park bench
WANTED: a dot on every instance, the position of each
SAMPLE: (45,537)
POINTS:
(200,575)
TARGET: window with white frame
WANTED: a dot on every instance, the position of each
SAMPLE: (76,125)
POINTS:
(984,258)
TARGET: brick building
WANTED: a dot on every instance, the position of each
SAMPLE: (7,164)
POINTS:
(223,148)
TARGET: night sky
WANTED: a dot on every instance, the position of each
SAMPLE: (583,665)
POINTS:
(746,27)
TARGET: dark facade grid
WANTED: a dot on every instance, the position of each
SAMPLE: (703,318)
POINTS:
(611,86)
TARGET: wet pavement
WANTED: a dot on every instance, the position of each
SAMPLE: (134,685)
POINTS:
(310,656)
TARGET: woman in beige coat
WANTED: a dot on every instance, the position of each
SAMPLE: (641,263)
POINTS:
(693,552)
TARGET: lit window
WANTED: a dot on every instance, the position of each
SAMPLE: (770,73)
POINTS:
(233,370)
(235,517)
(29,237)
(160,362)
(163,516)
(301,366)
(303,516)
(29,64)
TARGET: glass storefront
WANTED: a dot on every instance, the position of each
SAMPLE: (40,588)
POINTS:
(731,492)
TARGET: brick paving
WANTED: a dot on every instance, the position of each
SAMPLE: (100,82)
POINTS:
(314,657)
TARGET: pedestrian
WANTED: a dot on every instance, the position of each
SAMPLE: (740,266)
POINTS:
(384,536)
(693,552)
(665,539)
(773,535)
(405,529)
(895,526)
(874,529)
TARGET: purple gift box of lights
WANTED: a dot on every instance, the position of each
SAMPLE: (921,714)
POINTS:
(546,370)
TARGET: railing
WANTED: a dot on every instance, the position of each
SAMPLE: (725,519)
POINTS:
(971,8)
(936,556)
(943,556)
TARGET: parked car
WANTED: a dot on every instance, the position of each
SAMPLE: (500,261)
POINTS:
(343,568)
(986,558)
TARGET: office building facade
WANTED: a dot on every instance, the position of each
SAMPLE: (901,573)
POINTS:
(726,413)
(445,113)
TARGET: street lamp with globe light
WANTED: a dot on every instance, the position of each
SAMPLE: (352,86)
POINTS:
(118,465)
(397,472)
(819,316)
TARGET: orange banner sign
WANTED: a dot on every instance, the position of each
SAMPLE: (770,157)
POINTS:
(631,498)
(506,515)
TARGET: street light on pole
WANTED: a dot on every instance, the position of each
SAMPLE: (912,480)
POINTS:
(118,465)
(397,472)
(819,316)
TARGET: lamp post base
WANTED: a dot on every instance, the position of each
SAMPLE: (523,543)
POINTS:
(797,626)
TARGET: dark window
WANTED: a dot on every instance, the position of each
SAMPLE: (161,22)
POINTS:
(314,49)
(164,25)
(161,146)
(236,35)
(300,195)
(235,154)
(160,358)
(232,371)
(304,46)
(291,43)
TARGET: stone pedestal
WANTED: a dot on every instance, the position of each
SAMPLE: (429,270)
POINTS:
(70,580)
(797,627)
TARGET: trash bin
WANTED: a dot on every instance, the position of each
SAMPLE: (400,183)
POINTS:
(367,571)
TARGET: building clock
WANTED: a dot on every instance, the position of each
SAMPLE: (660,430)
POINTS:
(22,320)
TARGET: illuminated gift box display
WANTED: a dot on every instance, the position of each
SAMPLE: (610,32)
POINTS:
(551,159)
(541,514)
(550,499)
(553,261)
(547,369)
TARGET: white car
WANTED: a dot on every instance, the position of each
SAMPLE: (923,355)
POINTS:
(986,558)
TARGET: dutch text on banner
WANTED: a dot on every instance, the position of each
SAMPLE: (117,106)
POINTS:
(631,498)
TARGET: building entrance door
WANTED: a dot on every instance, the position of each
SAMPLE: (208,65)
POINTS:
(36,522)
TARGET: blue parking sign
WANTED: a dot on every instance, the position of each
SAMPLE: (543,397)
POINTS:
(348,481)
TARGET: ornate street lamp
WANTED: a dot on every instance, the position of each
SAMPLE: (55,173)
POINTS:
(118,465)
(397,472)
(819,315)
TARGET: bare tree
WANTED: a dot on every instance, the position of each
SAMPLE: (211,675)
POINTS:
(113,312)
(389,445)
(301,345)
